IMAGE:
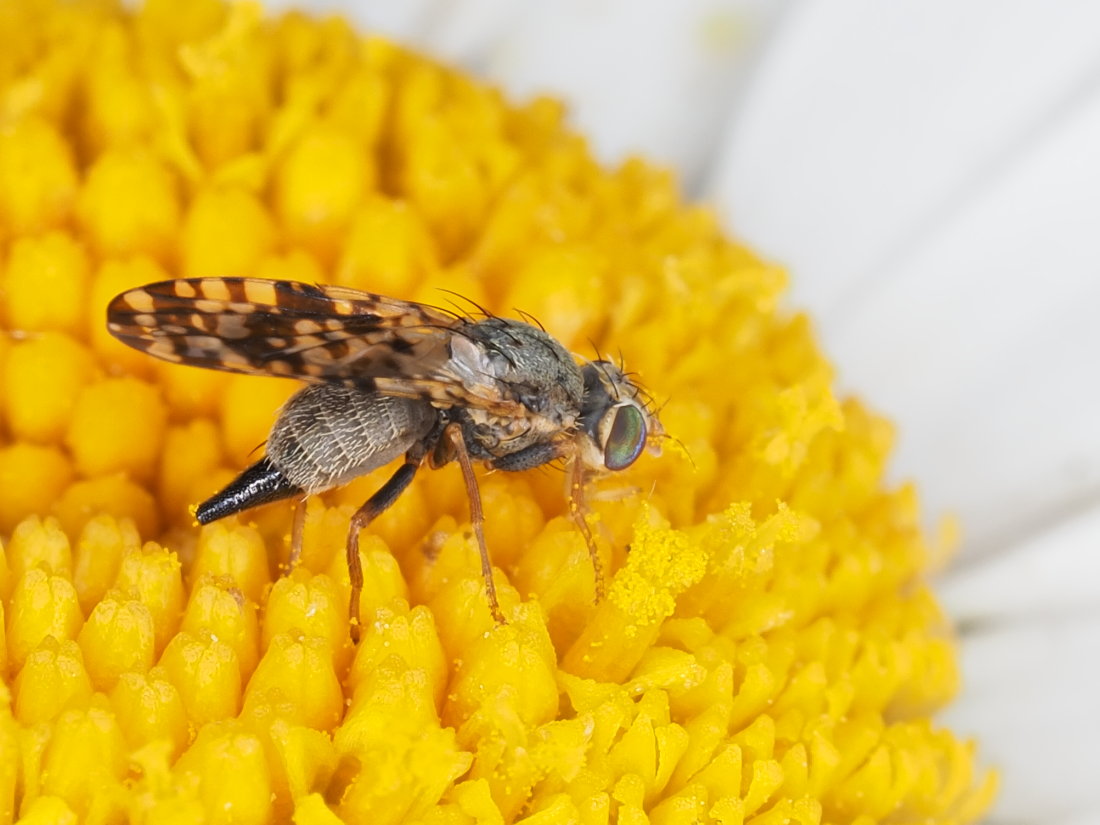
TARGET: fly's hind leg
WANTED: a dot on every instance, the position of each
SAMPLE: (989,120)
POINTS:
(297,531)
(381,501)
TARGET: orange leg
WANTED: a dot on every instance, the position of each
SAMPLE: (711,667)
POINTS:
(297,531)
(578,510)
(374,507)
(453,433)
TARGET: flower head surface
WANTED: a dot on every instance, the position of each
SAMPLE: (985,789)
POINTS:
(768,650)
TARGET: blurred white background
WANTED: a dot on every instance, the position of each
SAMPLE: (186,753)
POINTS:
(929,172)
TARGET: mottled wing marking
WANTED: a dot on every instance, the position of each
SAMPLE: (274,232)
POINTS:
(314,333)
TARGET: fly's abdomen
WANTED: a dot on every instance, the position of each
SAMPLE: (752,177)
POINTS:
(328,434)
(261,483)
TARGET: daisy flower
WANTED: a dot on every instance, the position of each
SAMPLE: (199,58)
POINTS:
(771,647)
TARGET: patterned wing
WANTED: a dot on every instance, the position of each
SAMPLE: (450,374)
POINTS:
(314,333)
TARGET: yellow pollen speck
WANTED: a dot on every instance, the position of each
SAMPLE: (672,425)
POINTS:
(768,649)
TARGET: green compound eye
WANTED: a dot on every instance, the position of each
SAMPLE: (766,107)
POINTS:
(626,439)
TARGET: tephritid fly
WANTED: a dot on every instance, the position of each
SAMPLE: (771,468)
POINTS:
(389,378)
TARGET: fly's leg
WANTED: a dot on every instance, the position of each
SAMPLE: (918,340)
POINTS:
(453,433)
(387,494)
(578,511)
(297,531)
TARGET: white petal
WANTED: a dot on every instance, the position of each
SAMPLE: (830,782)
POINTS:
(868,122)
(1029,620)
(1031,703)
(643,76)
(984,343)
(1030,624)
(1054,573)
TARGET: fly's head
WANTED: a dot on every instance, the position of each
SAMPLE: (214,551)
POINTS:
(615,419)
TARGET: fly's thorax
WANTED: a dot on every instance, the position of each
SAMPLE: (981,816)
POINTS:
(533,366)
(525,364)
(328,434)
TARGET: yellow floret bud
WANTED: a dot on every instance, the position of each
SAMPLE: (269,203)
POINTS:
(120,109)
(661,565)
(387,248)
(248,409)
(53,679)
(206,673)
(304,759)
(117,638)
(6,579)
(382,579)
(407,634)
(41,605)
(43,378)
(38,174)
(312,810)
(39,544)
(218,609)
(85,764)
(151,575)
(294,265)
(129,206)
(98,557)
(32,478)
(305,605)
(228,769)
(521,519)
(226,233)
(321,179)
(508,675)
(192,453)
(46,282)
(9,762)
(236,552)
(298,670)
(392,724)
(114,495)
(48,810)
(117,425)
(149,708)
(562,281)
(190,393)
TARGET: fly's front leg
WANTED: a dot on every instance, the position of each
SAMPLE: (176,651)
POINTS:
(538,454)
(578,511)
(375,506)
(452,433)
